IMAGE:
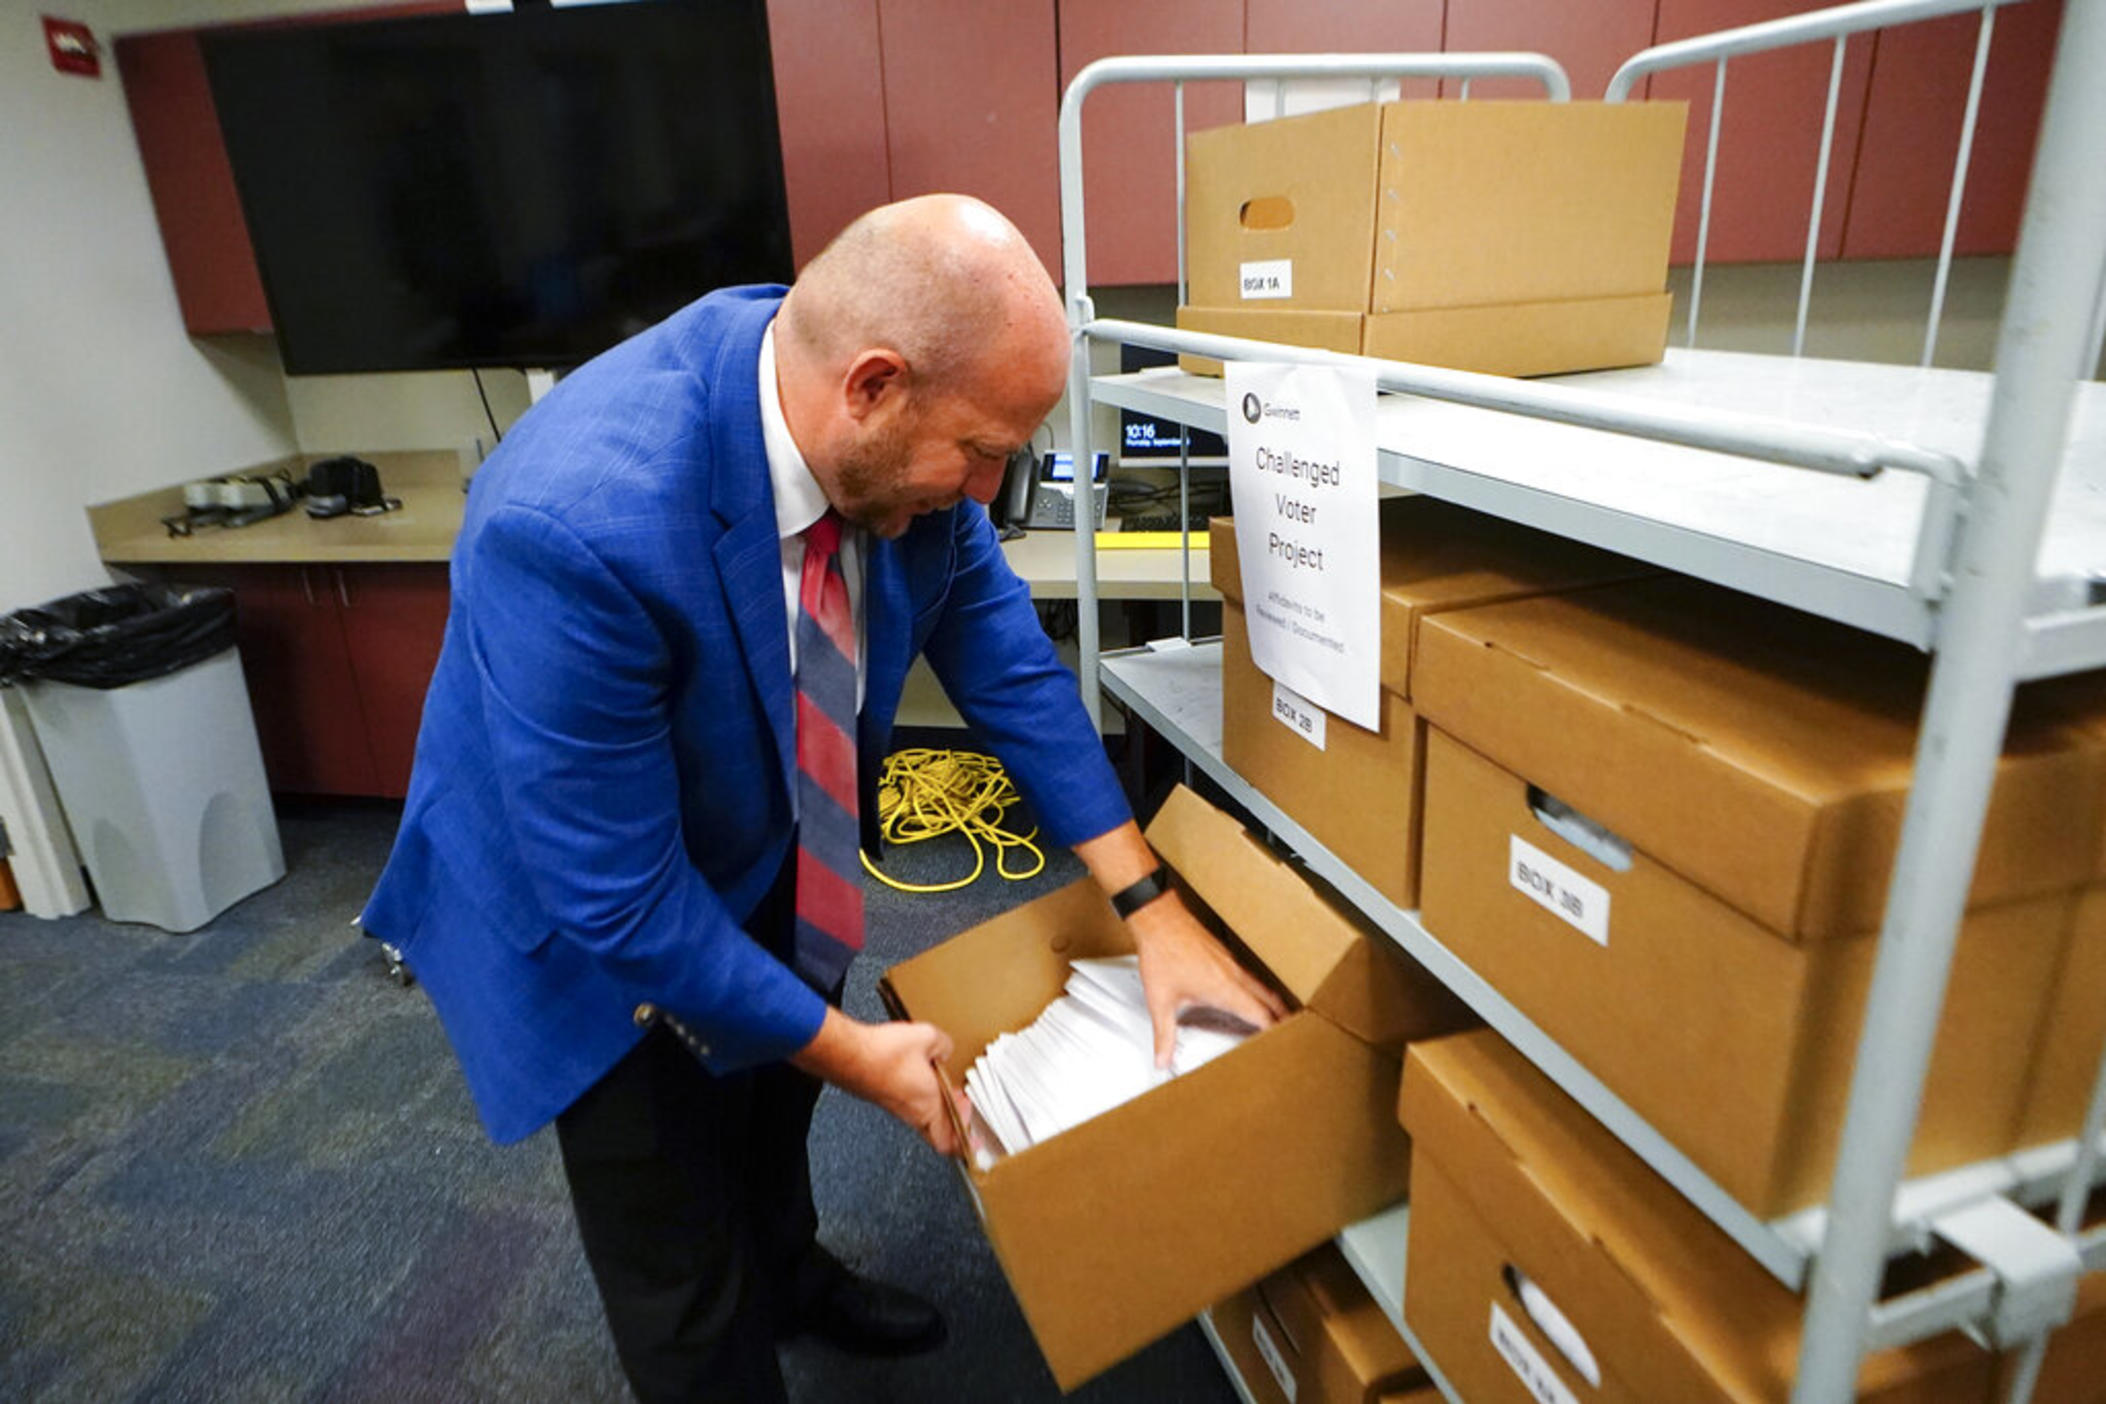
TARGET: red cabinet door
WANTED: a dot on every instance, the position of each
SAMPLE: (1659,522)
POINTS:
(192,185)
(1129,162)
(394,621)
(1588,41)
(830,107)
(309,719)
(972,95)
(1920,74)
(1769,141)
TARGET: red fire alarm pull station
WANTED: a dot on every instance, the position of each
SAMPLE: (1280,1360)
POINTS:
(73,47)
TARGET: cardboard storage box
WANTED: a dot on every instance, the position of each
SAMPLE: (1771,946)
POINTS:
(2074,1371)
(1127,1226)
(1344,1350)
(1660,818)
(2073,1036)
(1515,1188)
(1311,1334)
(1359,794)
(1520,238)
(1251,1337)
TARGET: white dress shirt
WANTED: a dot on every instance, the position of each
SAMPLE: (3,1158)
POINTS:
(799,502)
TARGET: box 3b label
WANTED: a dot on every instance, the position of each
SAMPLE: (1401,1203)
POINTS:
(1578,901)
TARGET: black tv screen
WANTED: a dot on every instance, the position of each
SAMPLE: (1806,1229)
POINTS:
(511,189)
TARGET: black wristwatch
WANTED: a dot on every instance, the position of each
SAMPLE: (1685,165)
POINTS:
(1128,900)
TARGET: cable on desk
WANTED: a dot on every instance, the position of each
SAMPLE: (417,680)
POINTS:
(924,794)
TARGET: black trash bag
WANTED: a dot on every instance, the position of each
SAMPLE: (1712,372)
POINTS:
(115,637)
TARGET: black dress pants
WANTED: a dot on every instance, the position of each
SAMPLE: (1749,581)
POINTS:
(693,1196)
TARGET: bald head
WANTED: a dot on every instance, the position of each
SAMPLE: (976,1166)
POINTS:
(944,280)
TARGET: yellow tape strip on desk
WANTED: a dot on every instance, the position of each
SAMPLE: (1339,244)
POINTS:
(924,794)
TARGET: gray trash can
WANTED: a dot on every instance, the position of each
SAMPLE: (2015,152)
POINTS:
(139,703)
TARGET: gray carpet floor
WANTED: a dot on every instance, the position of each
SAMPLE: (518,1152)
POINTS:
(240,1164)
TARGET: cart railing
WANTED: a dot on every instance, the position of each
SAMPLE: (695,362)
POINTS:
(1179,70)
(2028,1279)
(1838,24)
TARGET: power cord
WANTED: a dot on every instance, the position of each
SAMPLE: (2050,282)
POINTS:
(925,793)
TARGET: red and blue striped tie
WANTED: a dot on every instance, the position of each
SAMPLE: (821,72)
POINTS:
(829,873)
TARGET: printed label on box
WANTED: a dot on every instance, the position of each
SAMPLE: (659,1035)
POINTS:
(1298,714)
(1270,277)
(1578,901)
(1522,1357)
(1276,1362)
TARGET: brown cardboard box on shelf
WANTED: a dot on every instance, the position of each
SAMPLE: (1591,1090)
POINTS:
(1121,1229)
(1360,794)
(1343,1349)
(1519,238)
(1508,338)
(1520,1198)
(1660,818)
(1326,331)
(1255,1344)
(2073,1036)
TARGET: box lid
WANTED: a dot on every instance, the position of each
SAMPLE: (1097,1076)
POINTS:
(1497,202)
(1761,753)
(1328,960)
(1438,556)
(1671,1284)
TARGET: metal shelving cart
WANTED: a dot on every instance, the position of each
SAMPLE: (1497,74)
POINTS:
(1959,512)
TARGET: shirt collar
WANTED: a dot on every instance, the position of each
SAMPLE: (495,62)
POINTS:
(799,500)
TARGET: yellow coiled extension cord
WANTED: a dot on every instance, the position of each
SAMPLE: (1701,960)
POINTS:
(923,794)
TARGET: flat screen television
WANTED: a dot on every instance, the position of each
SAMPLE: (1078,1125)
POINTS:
(520,188)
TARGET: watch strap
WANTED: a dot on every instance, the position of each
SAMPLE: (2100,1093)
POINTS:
(1130,899)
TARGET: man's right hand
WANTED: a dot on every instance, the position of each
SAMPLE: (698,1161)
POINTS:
(892,1066)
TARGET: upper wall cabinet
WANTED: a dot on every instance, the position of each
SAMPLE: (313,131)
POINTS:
(1769,142)
(1129,161)
(830,105)
(1588,41)
(972,99)
(1912,133)
(191,183)
(1346,27)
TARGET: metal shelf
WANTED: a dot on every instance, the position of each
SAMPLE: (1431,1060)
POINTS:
(1865,551)
(1176,689)
(1228,1362)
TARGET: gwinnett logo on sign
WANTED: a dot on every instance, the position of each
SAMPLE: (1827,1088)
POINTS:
(1252,408)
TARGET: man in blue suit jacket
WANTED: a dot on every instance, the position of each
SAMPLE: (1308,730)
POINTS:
(602,822)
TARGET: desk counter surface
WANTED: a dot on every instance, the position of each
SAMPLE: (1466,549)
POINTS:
(129,532)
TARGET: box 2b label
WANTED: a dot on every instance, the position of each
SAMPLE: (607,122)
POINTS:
(1578,901)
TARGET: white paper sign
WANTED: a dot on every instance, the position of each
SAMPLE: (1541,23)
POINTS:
(1270,277)
(1298,714)
(1274,1361)
(1526,1361)
(1558,889)
(1302,468)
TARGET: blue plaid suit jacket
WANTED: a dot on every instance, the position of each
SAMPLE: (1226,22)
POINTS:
(602,791)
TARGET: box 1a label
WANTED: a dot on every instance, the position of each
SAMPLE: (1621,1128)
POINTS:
(1274,1361)
(1522,1357)
(1270,277)
(1578,901)
(1298,714)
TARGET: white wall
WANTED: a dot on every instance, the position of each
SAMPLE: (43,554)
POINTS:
(101,392)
